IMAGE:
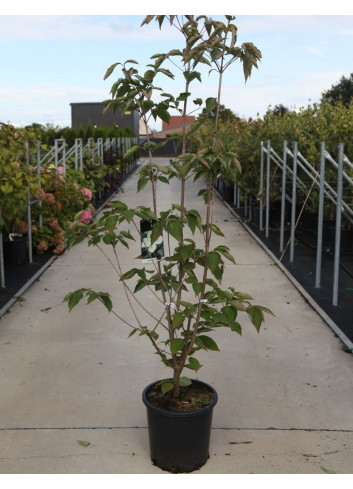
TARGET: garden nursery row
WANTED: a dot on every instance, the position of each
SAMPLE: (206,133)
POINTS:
(42,187)
(49,182)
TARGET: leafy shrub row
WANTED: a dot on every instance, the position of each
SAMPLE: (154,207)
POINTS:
(55,198)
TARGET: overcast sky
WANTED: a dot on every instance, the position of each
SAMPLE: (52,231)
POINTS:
(54,57)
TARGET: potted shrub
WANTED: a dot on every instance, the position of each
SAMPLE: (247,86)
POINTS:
(179,409)
(18,183)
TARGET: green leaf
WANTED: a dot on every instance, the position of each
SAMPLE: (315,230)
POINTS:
(105,298)
(142,182)
(129,274)
(91,297)
(110,70)
(197,287)
(216,230)
(256,316)
(328,471)
(185,381)
(236,327)
(166,72)
(163,179)
(208,343)
(186,251)
(194,220)
(73,298)
(211,104)
(84,443)
(154,335)
(131,151)
(140,285)
(183,96)
(174,228)
(146,213)
(128,214)
(108,238)
(194,364)
(178,319)
(224,250)
(110,222)
(167,386)
(230,312)
(163,114)
(191,75)
(157,230)
(265,309)
(214,260)
(176,345)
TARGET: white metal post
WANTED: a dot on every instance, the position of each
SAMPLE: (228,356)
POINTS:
(267,225)
(283,203)
(320,217)
(294,185)
(338,225)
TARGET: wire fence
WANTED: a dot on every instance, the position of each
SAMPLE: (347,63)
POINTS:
(294,193)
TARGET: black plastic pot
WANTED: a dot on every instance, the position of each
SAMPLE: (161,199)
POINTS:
(228,192)
(15,252)
(179,442)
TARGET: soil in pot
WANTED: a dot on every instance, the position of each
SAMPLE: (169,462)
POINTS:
(193,397)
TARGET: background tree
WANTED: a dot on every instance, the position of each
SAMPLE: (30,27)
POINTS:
(280,109)
(225,114)
(343,91)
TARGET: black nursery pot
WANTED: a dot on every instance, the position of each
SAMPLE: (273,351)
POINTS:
(179,442)
(15,252)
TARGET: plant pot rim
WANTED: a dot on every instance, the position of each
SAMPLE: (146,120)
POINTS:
(177,414)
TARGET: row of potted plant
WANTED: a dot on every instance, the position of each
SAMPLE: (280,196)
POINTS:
(53,198)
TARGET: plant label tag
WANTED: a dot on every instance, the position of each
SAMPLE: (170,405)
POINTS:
(150,251)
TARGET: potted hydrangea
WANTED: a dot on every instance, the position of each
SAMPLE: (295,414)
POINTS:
(179,408)
(18,183)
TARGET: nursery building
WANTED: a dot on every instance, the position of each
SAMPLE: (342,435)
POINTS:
(83,113)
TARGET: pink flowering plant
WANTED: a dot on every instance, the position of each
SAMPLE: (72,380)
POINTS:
(58,201)
(187,281)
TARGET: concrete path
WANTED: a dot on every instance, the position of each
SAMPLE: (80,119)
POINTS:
(285,395)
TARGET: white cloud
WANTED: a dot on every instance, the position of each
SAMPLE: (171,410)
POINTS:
(78,28)
(298,23)
(36,103)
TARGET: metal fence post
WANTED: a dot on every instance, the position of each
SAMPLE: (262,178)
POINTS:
(320,217)
(64,156)
(261,187)
(29,204)
(56,153)
(267,225)
(338,225)
(294,176)
(283,202)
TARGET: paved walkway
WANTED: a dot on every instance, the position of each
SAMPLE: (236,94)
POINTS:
(285,395)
